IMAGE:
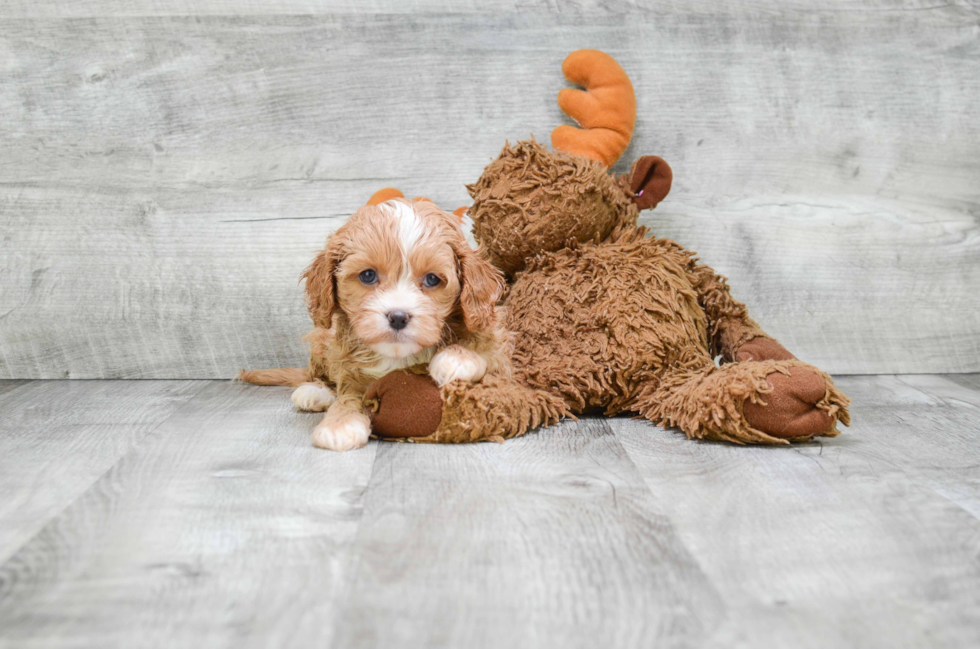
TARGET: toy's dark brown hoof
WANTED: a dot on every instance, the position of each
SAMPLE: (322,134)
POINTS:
(407,405)
(763,349)
(790,410)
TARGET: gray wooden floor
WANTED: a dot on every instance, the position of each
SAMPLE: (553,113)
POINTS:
(196,513)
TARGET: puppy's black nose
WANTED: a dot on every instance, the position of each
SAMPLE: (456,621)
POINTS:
(398,319)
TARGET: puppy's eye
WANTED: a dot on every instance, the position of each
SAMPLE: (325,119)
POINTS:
(369,276)
(431,280)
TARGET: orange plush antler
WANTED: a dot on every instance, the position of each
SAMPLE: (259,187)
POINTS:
(388,193)
(606,109)
(383,195)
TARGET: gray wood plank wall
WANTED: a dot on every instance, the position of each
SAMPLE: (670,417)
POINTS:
(168,169)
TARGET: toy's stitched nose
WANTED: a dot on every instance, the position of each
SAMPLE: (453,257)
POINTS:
(398,319)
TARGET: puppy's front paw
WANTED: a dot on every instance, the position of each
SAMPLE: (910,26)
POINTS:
(456,364)
(342,433)
(313,397)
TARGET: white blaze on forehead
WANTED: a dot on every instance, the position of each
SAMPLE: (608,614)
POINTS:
(405,295)
(410,228)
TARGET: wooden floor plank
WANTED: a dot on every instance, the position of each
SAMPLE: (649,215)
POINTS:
(940,416)
(58,437)
(8,385)
(545,541)
(864,540)
(971,381)
(224,528)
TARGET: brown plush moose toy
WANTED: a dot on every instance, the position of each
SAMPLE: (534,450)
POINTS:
(603,316)
(598,315)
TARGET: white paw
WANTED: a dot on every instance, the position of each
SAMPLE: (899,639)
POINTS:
(313,397)
(456,364)
(342,433)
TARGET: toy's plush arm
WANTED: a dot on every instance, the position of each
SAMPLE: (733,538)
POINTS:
(408,405)
(732,333)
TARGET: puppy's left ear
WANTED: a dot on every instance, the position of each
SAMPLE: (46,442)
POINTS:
(482,285)
(321,292)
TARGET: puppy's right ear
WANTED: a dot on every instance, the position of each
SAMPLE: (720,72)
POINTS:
(321,290)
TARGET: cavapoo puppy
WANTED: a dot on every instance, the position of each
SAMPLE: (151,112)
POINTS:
(396,286)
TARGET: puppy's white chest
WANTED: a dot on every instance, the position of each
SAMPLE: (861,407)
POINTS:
(386,364)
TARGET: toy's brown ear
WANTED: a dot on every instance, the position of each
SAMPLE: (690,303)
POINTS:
(650,180)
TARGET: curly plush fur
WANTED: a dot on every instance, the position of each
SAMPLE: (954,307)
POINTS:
(522,203)
(603,316)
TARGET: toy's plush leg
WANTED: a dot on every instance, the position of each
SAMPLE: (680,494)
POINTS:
(768,402)
(410,406)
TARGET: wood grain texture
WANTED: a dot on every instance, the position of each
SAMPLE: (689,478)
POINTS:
(868,539)
(166,178)
(98,8)
(225,527)
(545,541)
(58,437)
